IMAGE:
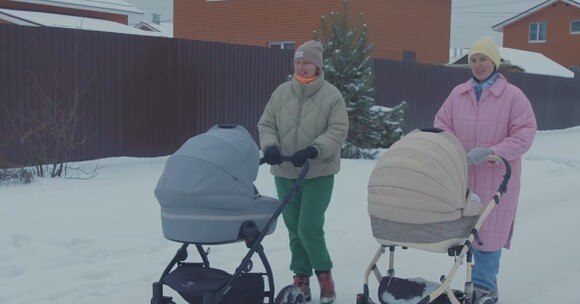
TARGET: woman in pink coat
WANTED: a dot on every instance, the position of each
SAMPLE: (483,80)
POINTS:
(490,116)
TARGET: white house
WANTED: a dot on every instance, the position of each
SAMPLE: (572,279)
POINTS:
(523,61)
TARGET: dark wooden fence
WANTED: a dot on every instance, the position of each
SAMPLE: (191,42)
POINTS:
(144,96)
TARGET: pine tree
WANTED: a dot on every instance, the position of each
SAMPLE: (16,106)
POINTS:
(348,66)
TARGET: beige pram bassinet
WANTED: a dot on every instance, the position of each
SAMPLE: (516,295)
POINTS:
(418,198)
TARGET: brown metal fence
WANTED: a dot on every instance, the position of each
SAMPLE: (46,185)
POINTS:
(556,100)
(144,96)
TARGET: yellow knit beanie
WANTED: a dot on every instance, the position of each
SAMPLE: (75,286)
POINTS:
(487,47)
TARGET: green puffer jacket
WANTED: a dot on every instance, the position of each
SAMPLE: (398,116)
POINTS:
(298,116)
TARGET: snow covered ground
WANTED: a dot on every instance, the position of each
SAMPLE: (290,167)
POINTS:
(100,240)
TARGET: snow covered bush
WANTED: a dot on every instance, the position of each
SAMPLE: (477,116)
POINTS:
(386,124)
(17,176)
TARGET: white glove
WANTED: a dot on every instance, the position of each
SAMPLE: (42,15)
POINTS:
(478,154)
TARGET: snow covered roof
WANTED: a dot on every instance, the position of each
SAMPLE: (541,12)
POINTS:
(528,62)
(109,6)
(72,22)
(165,28)
(499,27)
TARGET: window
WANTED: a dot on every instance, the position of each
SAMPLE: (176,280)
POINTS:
(538,32)
(575,27)
(287,45)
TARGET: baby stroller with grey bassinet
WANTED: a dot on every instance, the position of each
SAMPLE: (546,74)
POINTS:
(418,198)
(207,197)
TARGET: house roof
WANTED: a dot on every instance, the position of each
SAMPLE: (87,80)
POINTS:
(529,62)
(72,22)
(165,28)
(499,27)
(108,6)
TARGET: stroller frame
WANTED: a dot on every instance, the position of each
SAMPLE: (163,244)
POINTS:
(252,237)
(459,253)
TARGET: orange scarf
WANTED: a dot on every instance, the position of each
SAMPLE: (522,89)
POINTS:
(303,80)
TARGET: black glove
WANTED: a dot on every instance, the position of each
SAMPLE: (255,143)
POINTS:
(299,157)
(272,155)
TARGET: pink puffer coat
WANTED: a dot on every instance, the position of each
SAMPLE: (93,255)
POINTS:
(502,120)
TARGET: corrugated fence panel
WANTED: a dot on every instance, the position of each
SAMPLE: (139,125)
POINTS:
(555,100)
(149,107)
(145,96)
(225,84)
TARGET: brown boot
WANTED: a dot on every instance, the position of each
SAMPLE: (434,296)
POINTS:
(303,283)
(327,293)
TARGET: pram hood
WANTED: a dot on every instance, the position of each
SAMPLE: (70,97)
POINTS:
(421,179)
(215,169)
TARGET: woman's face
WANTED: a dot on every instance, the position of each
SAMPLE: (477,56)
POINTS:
(481,66)
(304,68)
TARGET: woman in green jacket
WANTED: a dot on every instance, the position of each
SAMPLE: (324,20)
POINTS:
(306,118)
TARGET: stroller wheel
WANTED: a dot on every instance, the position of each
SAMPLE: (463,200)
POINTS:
(362,299)
(486,301)
(290,295)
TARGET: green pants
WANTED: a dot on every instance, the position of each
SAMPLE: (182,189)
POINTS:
(304,218)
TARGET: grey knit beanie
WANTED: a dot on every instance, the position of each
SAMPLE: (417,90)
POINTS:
(311,51)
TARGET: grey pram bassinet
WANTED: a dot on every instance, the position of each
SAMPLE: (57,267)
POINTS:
(418,196)
(206,190)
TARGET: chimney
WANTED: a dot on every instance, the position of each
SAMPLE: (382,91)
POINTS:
(156,18)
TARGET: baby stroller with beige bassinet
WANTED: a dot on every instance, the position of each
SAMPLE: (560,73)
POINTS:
(207,197)
(418,198)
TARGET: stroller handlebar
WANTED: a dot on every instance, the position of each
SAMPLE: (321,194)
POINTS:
(508,170)
(303,171)
(257,242)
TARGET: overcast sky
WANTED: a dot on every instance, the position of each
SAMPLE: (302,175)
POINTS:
(470,19)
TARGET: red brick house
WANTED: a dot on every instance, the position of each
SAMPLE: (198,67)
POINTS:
(551,28)
(394,26)
(110,15)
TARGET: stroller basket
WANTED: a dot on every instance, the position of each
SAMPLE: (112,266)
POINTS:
(203,282)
